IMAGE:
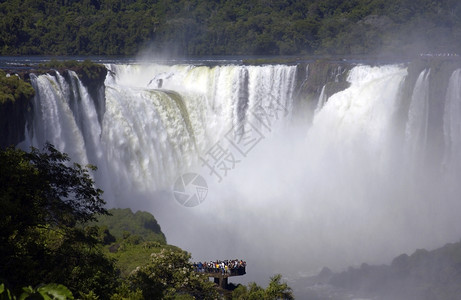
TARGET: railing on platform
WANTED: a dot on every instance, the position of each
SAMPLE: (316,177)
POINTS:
(230,272)
(221,270)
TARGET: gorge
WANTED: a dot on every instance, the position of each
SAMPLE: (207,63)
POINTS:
(343,161)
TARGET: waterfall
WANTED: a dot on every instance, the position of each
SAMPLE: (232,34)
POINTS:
(416,128)
(342,190)
(322,100)
(66,116)
(150,134)
(360,117)
(54,120)
(452,123)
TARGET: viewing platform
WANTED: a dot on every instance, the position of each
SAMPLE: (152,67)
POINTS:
(221,270)
(221,279)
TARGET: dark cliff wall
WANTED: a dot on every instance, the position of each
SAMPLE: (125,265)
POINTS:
(439,69)
(15,96)
(13,121)
(312,77)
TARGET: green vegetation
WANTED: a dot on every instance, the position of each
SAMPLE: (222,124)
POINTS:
(192,27)
(168,274)
(129,255)
(131,238)
(13,88)
(123,223)
(45,292)
(43,200)
(275,290)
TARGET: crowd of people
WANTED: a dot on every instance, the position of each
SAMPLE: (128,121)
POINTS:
(230,267)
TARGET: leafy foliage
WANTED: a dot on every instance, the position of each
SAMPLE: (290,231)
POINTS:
(55,193)
(275,290)
(130,253)
(124,292)
(45,292)
(192,27)
(43,200)
(168,274)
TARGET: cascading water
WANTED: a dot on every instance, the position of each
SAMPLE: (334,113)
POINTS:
(66,116)
(322,100)
(54,121)
(416,129)
(337,192)
(151,131)
(452,124)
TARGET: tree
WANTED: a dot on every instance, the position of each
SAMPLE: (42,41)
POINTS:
(44,203)
(170,274)
(104,27)
(278,290)
(45,292)
(274,291)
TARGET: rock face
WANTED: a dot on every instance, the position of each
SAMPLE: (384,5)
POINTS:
(93,76)
(13,121)
(314,76)
(15,95)
(438,73)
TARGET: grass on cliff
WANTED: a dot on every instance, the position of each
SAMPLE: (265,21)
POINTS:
(131,238)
